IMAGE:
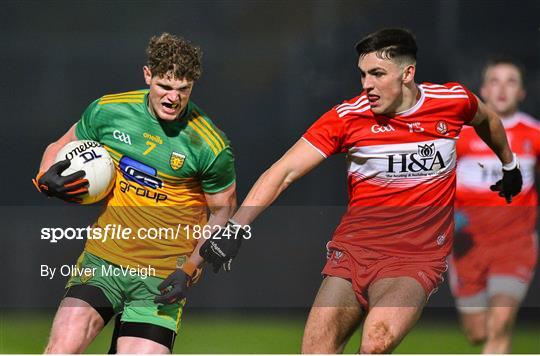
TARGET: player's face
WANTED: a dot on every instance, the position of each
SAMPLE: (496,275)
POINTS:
(168,96)
(383,81)
(503,89)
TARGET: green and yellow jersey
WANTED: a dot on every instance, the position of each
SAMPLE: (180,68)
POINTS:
(163,170)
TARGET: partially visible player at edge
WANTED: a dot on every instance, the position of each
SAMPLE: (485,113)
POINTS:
(172,163)
(496,251)
(389,252)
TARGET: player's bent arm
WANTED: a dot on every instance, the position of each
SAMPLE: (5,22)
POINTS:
(50,152)
(296,162)
(489,128)
(222,206)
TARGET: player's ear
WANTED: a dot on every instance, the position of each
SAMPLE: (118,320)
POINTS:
(147,75)
(408,73)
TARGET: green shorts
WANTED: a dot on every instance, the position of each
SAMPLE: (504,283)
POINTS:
(129,293)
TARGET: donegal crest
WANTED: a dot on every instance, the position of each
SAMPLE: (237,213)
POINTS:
(177,160)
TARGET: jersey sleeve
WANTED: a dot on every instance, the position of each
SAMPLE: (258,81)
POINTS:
(469,108)
(87,126)
(220,173)
(326,134)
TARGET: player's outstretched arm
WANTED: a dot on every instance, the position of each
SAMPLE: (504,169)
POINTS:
(225,243)
(49,179)
(296,162)
(490,129)
(222,205)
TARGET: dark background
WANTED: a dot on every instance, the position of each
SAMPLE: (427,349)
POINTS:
(271,68)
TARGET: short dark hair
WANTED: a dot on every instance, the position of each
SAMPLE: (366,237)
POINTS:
(169,54)
(504,59)
(389,43)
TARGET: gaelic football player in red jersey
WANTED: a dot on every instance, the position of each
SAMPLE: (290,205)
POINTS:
(496,251)
(389,252)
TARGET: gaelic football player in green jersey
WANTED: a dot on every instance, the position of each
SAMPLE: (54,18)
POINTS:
(172,165)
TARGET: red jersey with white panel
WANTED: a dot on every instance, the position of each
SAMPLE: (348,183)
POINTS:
(401,170)
(490,218)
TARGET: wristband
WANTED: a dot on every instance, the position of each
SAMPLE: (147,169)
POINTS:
(36,181)
(189,268)
(237,228)
(512,165)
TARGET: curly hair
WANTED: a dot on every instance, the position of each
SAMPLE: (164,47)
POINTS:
(172,55)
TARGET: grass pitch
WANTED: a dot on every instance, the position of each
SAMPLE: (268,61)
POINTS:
(26,332)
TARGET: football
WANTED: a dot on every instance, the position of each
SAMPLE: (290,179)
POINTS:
(95,161)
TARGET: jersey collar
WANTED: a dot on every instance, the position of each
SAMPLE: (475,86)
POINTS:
(510,121)
(416,106)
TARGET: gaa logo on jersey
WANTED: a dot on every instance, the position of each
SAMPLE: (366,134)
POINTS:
(442,127)
(177,160)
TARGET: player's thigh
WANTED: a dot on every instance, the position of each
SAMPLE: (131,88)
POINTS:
(395,306)
(335,315)
(137,345)
(75,325)
(147,327)
(144,336)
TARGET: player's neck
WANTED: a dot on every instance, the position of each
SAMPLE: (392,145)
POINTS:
(411,95)
(508,114)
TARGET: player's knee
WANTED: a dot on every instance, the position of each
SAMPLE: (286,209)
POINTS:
(62,345)
(70,334)
(319,343)
(476,337)
(321,347)
(378,339)
(321,340)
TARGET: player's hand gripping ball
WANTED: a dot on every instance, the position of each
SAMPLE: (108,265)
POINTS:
(75,161)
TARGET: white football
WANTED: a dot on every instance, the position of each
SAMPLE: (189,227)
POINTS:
(95,161)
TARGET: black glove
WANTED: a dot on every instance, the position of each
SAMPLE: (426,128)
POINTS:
(68,188)
(178,283)
(222,247)
(510,184)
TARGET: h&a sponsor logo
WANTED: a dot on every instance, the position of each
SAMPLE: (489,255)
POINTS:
(426,159)
(382,128)
(122,136)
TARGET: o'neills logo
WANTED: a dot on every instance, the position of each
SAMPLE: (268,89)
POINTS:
(426,159)
(81,148)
